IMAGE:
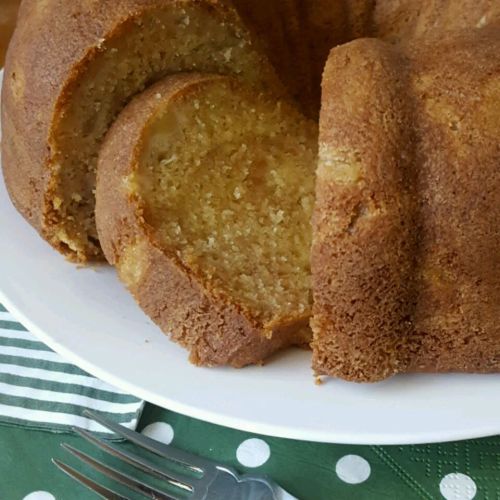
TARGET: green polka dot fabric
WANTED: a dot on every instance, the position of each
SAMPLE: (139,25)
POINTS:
(310,471)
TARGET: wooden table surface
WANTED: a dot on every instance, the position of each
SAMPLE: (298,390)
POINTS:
(8,11)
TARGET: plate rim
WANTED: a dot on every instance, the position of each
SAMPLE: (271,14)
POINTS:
(235,423)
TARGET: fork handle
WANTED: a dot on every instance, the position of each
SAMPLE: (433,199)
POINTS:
(245,487)
(277,492)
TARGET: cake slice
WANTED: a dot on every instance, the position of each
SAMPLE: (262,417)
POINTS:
(71,68)
(205,191)
(406,232)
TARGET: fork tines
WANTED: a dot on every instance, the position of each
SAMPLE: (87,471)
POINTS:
(194,466)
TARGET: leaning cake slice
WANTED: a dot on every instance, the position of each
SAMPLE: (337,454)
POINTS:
(204,196)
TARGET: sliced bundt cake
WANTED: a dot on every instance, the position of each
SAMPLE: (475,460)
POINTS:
(73,65)
(204,196)
(407,185)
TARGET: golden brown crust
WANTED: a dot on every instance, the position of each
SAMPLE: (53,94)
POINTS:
(363,239)
(215,331)
(406,267)
(403,20)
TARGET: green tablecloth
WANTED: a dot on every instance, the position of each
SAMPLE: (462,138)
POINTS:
(308,470)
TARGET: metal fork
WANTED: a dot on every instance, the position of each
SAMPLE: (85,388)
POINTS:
(202,479)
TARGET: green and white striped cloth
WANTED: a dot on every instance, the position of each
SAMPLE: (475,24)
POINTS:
(39,389)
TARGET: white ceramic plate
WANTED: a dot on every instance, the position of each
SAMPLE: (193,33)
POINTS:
(87,316)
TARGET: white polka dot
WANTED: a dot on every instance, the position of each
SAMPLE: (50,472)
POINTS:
(353,469)
(457,486)
(253,452)
(40,495)
(160,431)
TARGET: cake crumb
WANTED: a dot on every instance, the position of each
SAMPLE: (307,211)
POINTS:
(227,54)
(57,202)
(168,161)
(481,22)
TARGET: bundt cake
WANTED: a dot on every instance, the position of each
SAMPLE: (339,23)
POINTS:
(205,191)
(405,261)
(406,231)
